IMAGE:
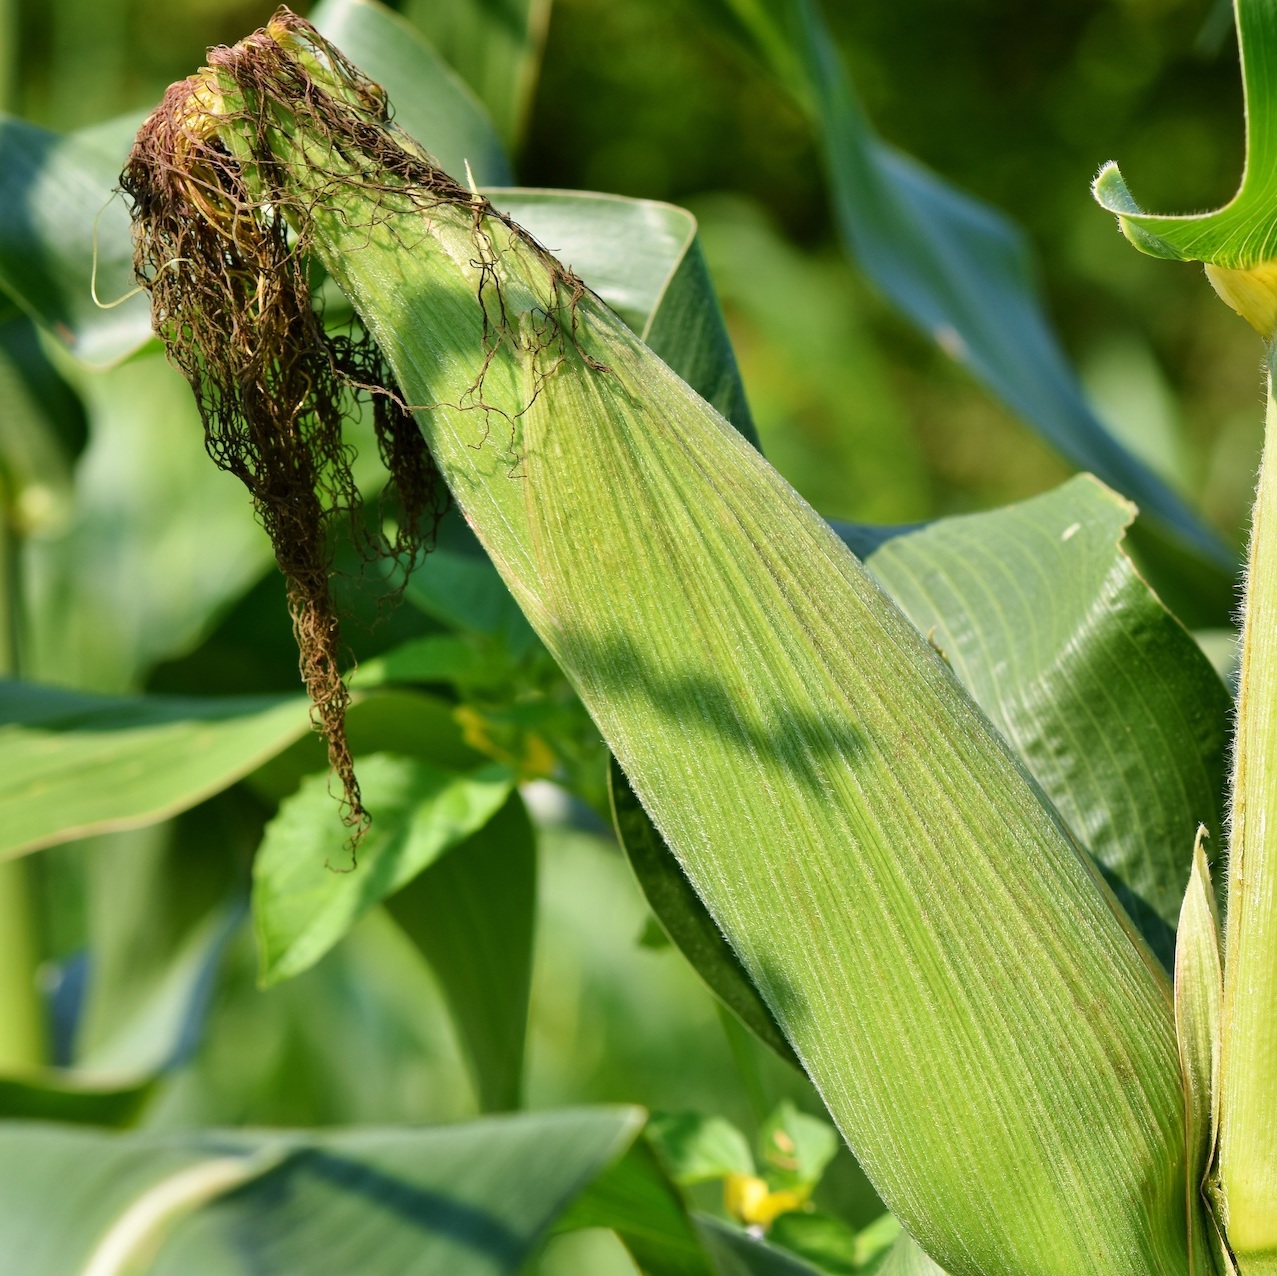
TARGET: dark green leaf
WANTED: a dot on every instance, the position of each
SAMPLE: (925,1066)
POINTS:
(733,1252)
(473,915)
(57,210)
(819,1238)
(637,1201)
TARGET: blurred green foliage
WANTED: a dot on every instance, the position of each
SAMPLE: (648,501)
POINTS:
(1017,104)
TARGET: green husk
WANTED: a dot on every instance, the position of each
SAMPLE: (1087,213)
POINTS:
(995,1042)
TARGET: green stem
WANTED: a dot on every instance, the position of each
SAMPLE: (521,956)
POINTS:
(21,1013)
(1247,1175)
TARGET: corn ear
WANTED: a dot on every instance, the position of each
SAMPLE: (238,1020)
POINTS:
(995,1043)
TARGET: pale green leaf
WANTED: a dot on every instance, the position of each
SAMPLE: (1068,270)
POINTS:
(694,1148)
(1242,234)
(1199,980)
(794,1149)
(472,914)
(310,886)
(75,764)
(957,267)
(466,1200)
(431,101)
(905,1258)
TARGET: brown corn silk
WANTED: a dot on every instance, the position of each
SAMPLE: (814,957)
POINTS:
(229,274)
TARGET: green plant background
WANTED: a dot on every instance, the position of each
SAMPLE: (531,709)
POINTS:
(870,421)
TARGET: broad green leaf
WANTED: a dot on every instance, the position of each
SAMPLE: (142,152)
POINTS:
(63,1095)
(733,1252)
(1199,980)
(496,46)
(1246,1179)
(76,764)
(820,1238)
(865,839)
(57,214)
(1107,699)
(75,1201)
(695,1148)
(307,892)
(643,258)
(794,1148)
(153,551)
(684,918)
(635,1199)
(904,1258)
(473,915)
(431,100)
(958,268)
(467,1200)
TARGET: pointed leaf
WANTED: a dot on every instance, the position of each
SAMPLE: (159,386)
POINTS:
(75,764)
(957,267)
(1199,983)
(695,1148)
(307,893)
(472,915)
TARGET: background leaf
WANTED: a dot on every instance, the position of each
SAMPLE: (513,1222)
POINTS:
(959,269)
(77,763)
(310,886)
(496,46)
(473,915)
(431,101)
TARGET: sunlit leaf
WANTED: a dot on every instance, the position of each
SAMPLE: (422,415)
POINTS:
(310,886)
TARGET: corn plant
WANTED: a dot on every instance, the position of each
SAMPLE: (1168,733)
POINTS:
(924,809)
